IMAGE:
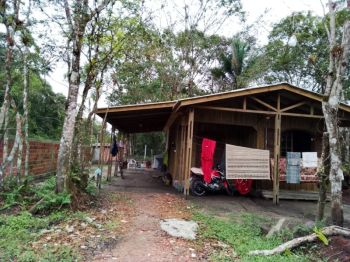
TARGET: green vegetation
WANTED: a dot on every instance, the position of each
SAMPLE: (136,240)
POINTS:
(243,234)
(26,194)
(18,232)
(20,229)
(155,142)
(46,112)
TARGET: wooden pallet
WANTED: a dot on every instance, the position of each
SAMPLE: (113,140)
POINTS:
(296,195)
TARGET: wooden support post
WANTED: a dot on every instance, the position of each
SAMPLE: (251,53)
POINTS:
(167,140)
(188,161)
(182,151)
(277,152)
(110,158)
(110,162)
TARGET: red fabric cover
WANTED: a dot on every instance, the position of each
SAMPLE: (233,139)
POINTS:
(207,158)
(243,186)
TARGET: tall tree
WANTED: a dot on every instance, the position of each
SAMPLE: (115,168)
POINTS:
(9,15)
(303,64)
(232,65)
(26,41)
(195,27)
(339,52)
(78,15)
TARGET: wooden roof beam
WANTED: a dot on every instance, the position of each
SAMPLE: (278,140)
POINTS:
(171,120)
(264,103)
(293,106)
(227,109)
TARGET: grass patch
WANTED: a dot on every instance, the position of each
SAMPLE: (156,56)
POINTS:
(111,225)
(19,231)
(243,234)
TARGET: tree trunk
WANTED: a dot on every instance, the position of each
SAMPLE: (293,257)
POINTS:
(4,112)
(77,22)
(80,131)
(338,64)
(8,66)
(336,174)
(5,137)
(64,153)
(26,94)
(324,179)
(19,158)
(26,111)
(91,120)
(9,20)
(14,148)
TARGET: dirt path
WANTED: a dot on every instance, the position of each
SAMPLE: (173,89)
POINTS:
(143,239)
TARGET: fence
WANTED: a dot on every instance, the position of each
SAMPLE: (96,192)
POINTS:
(42,157)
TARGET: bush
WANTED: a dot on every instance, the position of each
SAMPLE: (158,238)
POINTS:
(91,188)
(15,194)
(49,200)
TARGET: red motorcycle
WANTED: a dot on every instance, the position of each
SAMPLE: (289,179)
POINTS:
(218,183)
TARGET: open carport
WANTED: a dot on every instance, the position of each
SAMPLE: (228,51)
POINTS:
(280,118)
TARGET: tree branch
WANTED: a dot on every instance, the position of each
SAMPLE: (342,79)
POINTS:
(327,231)
(99,8)
(68,15)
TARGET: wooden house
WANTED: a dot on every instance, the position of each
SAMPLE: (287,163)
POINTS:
(281,118)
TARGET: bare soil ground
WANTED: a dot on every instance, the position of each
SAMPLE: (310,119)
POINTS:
(141,238)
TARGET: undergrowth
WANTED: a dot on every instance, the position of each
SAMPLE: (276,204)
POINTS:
(244,234)
(18,232)
(19,229)
(26,195)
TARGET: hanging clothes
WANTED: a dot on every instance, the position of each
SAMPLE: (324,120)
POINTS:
(207,158)
(114,148)
(293,167)
(310,159)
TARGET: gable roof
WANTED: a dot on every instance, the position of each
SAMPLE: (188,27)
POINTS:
(254,90)
(153,116)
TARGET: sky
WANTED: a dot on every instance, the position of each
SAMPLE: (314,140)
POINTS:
(276,10)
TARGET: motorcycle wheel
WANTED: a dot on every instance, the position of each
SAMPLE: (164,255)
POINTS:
(197,188)
(230,190)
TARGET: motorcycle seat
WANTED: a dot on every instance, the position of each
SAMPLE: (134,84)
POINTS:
(197,170)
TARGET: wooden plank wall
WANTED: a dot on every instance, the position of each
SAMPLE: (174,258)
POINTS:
(177,151)
(264,126)
(207,123)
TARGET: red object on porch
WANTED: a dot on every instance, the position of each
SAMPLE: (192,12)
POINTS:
(243,186)
(207,158)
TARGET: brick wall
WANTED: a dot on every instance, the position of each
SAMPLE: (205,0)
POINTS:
(42,157)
